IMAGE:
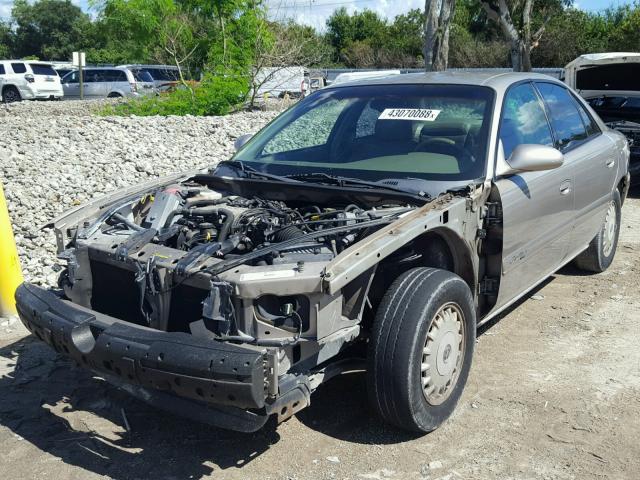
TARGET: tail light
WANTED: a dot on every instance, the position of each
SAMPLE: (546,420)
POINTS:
(29,78)
(134,87)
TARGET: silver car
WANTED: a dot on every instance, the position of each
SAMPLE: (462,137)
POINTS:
(108,82)
(165,77)
(373,226)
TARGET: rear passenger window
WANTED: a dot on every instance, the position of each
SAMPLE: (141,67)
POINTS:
(564,115)
(589,123)
(2,72)
(114,76)
(92,76)
(39,69)
(19,68)
(523,120)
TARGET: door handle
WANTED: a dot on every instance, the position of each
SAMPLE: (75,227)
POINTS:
(565,188)
(610,163)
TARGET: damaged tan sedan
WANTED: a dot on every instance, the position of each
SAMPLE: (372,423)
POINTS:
(374,226)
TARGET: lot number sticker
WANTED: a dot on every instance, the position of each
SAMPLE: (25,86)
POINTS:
(423,114)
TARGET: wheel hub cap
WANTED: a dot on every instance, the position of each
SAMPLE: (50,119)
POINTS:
(443,354)
(609,230)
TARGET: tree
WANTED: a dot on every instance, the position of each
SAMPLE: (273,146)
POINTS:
(348,32)
(625,28)
(405,42)
(278,46)
(577,32)
(437,25)
(519,32)
(49,29)
(6,39)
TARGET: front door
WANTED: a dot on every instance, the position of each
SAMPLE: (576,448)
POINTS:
(71,85)
(537,207)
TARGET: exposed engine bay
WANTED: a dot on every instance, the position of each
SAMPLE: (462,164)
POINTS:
(179,257)
(206,223)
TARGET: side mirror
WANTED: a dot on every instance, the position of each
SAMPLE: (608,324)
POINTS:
(534,158)
(240,141)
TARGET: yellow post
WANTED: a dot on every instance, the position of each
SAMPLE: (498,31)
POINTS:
(10,272)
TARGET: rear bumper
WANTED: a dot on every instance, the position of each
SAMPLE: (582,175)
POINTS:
(31,93)
(146,360)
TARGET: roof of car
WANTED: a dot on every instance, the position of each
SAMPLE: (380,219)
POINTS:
(494,80)
(140,65)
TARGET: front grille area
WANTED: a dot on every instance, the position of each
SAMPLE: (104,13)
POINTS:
(115,293)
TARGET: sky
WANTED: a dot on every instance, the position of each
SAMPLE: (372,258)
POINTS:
(315,12)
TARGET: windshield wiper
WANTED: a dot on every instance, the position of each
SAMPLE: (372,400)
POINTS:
(346,181)
(251,172)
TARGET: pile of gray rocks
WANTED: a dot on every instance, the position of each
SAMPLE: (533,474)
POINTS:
(57,155)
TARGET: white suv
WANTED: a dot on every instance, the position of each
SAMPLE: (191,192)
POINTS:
(28,80)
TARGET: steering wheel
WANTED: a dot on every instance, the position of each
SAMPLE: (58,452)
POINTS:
(444,146)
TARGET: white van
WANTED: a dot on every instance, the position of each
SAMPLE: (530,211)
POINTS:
(28,80)
(278,81)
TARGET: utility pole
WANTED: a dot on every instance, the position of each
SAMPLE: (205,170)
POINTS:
(80,60)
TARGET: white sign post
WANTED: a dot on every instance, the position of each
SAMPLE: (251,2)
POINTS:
(80,60)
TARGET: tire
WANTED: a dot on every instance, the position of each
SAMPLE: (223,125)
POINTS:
(11,95)
(419,303)
(114,95)
(602,249)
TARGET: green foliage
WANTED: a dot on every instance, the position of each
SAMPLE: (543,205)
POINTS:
(575,32)
(6,39)
(364,39)
(50,29)
(235,42)
(315,49)
(213,96)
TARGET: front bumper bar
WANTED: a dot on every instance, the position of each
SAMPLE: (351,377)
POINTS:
(210,372)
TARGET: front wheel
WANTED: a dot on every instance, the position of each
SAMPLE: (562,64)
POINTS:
(599,255)
(421,348)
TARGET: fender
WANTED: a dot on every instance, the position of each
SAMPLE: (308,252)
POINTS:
(447,211)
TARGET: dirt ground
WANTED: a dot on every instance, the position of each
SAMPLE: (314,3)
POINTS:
(554,393)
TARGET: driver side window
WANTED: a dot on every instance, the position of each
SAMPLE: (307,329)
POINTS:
(523,120)
(71,77)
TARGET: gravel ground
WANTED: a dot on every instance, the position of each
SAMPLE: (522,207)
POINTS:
(54,156)
(554,392)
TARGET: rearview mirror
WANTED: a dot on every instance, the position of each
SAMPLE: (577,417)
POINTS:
(240,141)
(535,158)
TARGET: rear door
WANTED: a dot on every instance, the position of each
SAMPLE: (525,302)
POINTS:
(91,79)
(45,79)
(537,207)
(589,153)
(119,83)
(144,82)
